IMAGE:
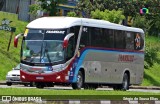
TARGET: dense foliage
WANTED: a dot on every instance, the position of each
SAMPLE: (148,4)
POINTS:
(112,16)
(129,8)
(49,6)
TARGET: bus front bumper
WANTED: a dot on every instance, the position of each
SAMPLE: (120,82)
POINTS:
(61,77)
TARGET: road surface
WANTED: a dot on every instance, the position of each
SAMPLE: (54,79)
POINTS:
(70,88)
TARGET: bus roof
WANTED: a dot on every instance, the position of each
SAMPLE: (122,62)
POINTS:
(66,22)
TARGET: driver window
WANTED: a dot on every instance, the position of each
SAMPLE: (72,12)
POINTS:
(70,48)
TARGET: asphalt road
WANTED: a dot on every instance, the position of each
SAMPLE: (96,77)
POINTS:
(70,88)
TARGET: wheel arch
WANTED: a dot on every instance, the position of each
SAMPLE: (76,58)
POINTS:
(128,73)
(83,72)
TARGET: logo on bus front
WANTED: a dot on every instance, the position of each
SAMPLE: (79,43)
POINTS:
(56,31)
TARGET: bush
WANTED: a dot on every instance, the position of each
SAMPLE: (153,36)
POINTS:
(112,16)
(151,51)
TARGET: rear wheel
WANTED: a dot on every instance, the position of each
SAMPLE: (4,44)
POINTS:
(125,83)
(80,81)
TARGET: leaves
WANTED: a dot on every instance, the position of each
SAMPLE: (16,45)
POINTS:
(46,5)
(112,16)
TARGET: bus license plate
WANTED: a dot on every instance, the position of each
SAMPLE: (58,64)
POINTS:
(40,78)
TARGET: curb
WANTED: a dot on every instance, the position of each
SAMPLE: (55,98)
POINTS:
(2,82)
(145,87)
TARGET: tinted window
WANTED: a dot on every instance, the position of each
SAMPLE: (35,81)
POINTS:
(119,39)
(129,39)
(84,41)
(75,30)
(47,34)
(96,37)
(55,34)
(35,34)
(108,38)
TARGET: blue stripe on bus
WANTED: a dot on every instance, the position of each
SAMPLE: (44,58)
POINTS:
(85,51)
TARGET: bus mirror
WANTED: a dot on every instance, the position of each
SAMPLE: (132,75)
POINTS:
(65,43)
(66,39)
(16,39)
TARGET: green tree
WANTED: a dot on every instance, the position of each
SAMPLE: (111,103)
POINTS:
(33,9)
(71,14)
(50,6)
(129,8)
(112,16)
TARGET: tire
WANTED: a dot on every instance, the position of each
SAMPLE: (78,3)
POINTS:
(26,84)
(125,82)
(40,85)
(80,81)
(9,83)
(31,84)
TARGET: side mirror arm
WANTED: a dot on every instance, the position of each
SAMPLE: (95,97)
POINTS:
(16,39)
(66,39)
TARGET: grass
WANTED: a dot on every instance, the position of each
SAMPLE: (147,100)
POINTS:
(9,59)
(74,94)
(18,91)
(151,76)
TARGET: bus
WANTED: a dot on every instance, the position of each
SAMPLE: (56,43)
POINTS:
(84,53)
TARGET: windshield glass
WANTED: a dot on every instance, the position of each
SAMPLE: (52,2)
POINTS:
(43,46)
(17,67)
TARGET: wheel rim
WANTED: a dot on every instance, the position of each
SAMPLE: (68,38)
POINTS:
(125,82)
(79,80)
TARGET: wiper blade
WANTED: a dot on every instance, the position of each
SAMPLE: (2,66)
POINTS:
(46,51)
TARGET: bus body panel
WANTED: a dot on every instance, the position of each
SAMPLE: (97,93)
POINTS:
(107,67)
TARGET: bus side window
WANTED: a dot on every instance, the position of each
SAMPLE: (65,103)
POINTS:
(75,30)
(119,39)
(109,37)
(70,48)
(84,41)
(129,39)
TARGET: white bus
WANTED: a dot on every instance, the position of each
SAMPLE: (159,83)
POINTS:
(82,52)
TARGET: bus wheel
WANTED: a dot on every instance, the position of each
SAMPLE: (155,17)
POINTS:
(9,83)
(80,81)
(125,82)
(40,85)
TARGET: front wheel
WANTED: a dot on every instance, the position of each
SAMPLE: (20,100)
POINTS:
(80,81)
(39,85)
(9,83)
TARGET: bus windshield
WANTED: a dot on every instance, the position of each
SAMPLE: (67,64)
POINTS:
(43,46)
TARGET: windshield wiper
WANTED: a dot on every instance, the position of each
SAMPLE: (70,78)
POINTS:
(41,49)
(46,51)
